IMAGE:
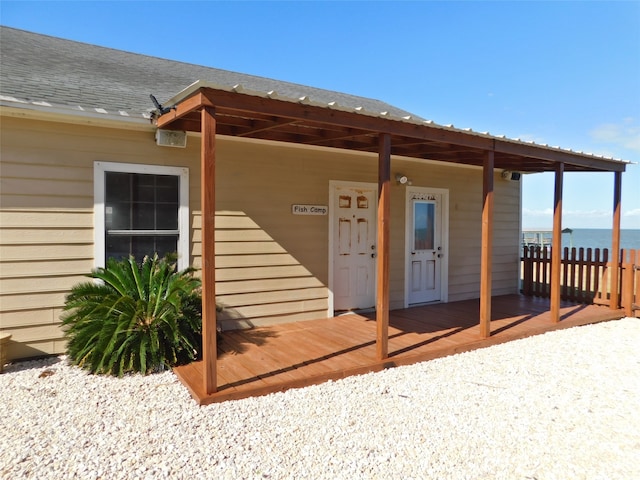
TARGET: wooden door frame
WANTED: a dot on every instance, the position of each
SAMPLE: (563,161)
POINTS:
(444,266)
(333,185)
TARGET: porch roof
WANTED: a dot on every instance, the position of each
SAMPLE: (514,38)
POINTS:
(267,116)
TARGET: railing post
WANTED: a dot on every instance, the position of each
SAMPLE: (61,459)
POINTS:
(588,277)
(527,271)
(627,280)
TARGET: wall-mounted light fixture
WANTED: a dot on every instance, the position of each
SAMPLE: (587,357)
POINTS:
(509,176)
(171,138)
(402,179)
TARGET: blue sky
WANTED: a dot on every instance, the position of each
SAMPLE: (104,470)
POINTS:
(558,73)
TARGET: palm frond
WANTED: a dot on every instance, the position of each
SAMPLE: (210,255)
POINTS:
(137,317)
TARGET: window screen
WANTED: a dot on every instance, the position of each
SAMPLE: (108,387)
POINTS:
(141,214)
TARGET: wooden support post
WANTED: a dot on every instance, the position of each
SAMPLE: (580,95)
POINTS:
(614,299)
(208,212)
(487,245)
(384,212)
(556,245)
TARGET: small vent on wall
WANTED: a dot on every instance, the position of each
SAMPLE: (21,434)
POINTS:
(171,138)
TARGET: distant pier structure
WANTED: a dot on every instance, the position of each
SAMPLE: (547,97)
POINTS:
(542,238)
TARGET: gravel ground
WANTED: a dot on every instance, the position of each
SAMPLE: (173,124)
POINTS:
(564,405)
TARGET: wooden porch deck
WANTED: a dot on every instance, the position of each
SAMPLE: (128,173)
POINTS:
(293,355)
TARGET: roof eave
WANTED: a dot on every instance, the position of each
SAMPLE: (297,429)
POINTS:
(236,100)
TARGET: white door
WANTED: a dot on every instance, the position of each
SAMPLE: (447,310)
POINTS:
(353,219)
(425,247)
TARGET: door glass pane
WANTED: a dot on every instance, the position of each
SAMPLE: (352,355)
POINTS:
(423,225)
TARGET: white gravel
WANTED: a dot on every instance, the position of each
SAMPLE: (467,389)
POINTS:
(564,405)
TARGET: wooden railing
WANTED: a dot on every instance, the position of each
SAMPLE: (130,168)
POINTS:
(585,276)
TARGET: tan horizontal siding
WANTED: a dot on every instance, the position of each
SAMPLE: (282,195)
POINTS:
(31,317)
(29,171)
(35,333)
(254,260)
(37,284)
(46,216)
(74,218)
(31,236)
(31,300)
(249,273)
(53,188)
(34,348)
(45,252)
(249,322)
(236,300)
(268,285)
(274,309)
(34,268)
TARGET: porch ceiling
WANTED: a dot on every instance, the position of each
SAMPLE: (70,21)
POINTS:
(265,116)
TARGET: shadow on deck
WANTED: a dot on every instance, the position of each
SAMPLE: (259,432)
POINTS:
(292,355)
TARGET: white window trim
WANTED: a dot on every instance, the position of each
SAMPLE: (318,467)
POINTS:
(99,169)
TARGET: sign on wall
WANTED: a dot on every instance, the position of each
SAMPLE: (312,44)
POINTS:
(309,209)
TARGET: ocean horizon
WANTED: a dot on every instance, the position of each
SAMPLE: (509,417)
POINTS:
(596,238)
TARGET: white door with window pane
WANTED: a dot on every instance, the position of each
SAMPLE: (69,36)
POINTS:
(353,218)
(425,247)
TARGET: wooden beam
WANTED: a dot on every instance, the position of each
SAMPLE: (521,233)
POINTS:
(185,107)
(541,152)
(384,213)
(614,300)
(208,209)
(332,116)
(556,245)
(487,245)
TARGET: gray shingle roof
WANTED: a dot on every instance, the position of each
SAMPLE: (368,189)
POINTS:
(40,68)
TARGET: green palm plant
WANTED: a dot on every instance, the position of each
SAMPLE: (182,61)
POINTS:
(134,317)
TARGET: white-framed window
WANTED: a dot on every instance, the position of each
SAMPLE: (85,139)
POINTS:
(140,210)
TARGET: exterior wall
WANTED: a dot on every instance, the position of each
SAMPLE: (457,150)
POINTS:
(465,228)
(272,266)
(46,218)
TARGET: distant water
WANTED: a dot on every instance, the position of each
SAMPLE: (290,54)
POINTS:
(595,238)
(600,238)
